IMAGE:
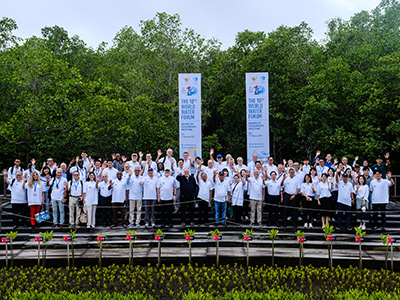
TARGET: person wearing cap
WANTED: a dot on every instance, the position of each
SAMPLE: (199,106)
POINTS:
(135,196)
(166,193)
(221,196)
(149,184)
(219,164)
(345,200)
(135,162)
(256,191)
(188,191)
(380,196)
(382,167)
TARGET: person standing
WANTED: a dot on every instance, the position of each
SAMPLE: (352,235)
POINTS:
(307,191)
(14,169)
(105,200)
(324,195)
(90,198)
(188,190)
(257,196)
(78,168)
(362,199)
(134,162)
(135,197)
(110,170)
(169,162)
(274,195)
(149,183)
(204,195)
(345,200)
(380,196)
(380,166)
(19,203)
(221,197)
(291,187)
(35,194)
(238,187)
(120,196)
(148,164)
(59,187)
(166,192)
(178,171)
(75,189)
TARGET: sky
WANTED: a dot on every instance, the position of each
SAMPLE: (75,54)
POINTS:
(100,20)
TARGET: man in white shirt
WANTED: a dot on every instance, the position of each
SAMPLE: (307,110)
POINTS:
(306,166)
(210,170)
(271,167)
(345,165)
(204,195)
(120,196)
(290,198)
(252,165)
(14,169)
(19,203)
(240,164)
(299,174)
(110,170)
(105,200)
(380,196)
(178,171)
(187,162)
(169,162)
(78,168)
(135,197)
(86,159)
(75,189)
(95,168)
(321,168)
(256,193)
(59,187)
(221,196)
(219,164)
(344,201)
(149,184)
(134,162)
(166,193)
(149,163)
(274,195)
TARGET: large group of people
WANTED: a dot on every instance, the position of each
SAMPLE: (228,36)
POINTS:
(102,191)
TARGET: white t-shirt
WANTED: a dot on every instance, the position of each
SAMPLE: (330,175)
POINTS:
(153,165)
(96,172)
(18,194)
(290,185)
(167,163)
(273,187)
(92,194)
(306,188)
(57,191)
(119,191)
(324,190)
(35,193)
(237,193)
(251,166)
(135,188)
(166,186)
(271,168)
(204,190)
(187,164)
(221,190)
(255,188)
(112,173)
(363,192)
(150,187)
(12,171)
(220,166)
(380,191)
(306,169)
(103,187)
(86,163)
(176,173)
(76,188)
(210,175)
(322,170)
(242,167)
(134,165)
(203,168)
(82,172)
(28,173)
(345,190)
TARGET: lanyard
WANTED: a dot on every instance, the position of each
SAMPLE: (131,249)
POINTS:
(35,184)
(57,183)
(81,171)
(75,185)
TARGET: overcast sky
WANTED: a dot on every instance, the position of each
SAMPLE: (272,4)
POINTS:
(99,20)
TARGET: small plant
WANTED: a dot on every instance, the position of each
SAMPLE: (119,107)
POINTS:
(359,238)
(72,234)
(248,232)
(12,235)
(100,242)
(273,233)
(47,237)
(247,237)
(189,232)
(160,234)
(216,233)
(131,232)
(384,239)
(300,237)
(329,230)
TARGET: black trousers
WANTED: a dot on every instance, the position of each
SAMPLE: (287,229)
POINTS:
(187,207)
(20,213)
(308,209)
(166,207)
(203,211)
(291,207)
(273,209)
(382,209)
(238,212)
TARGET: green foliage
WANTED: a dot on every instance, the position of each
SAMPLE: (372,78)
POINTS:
(384,239)
(273,233)
(101,234)
(12,235)
(47,236)
(215,232)
(248,232)
(72,233)
(160,232)
(299,233)
(329,230)
(359,232)
(189,232)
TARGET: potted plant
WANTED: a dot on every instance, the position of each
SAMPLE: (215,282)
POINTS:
(273,233)
(329,230)
(131,237)
(301,239)
(11,236)
(101,237)
(47,237)
(384,239)
(159,237)
(248,236)
(359,238)
(217,236)
(189,236)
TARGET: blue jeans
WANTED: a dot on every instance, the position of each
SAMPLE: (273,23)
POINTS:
(219,212)
(58,206)
(347,209)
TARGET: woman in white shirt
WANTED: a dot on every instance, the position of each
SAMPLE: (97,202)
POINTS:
(334,192)
(36,194)
(90,198)
(307,190)
(362,192)
(324,198)
(238,187)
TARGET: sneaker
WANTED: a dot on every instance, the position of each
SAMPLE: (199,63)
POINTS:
(93,226)
(191,224)
(246,217)
(54,226)
(137,225)
(113,226)
(305,225)
(88,226)
(349,228)
(175,212)
(383,229)
(71,226)
(146,225)
(289,218)
(124,225)
(61,226)
(130,226)
(259,224)
(183,224)
(251,224)
(299,219)
(338,228)
(77,226)
(363,227)
(153,225)
(333,220)
(310,225)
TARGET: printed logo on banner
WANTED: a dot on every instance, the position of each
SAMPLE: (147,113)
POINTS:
(190,90)
(257,90)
